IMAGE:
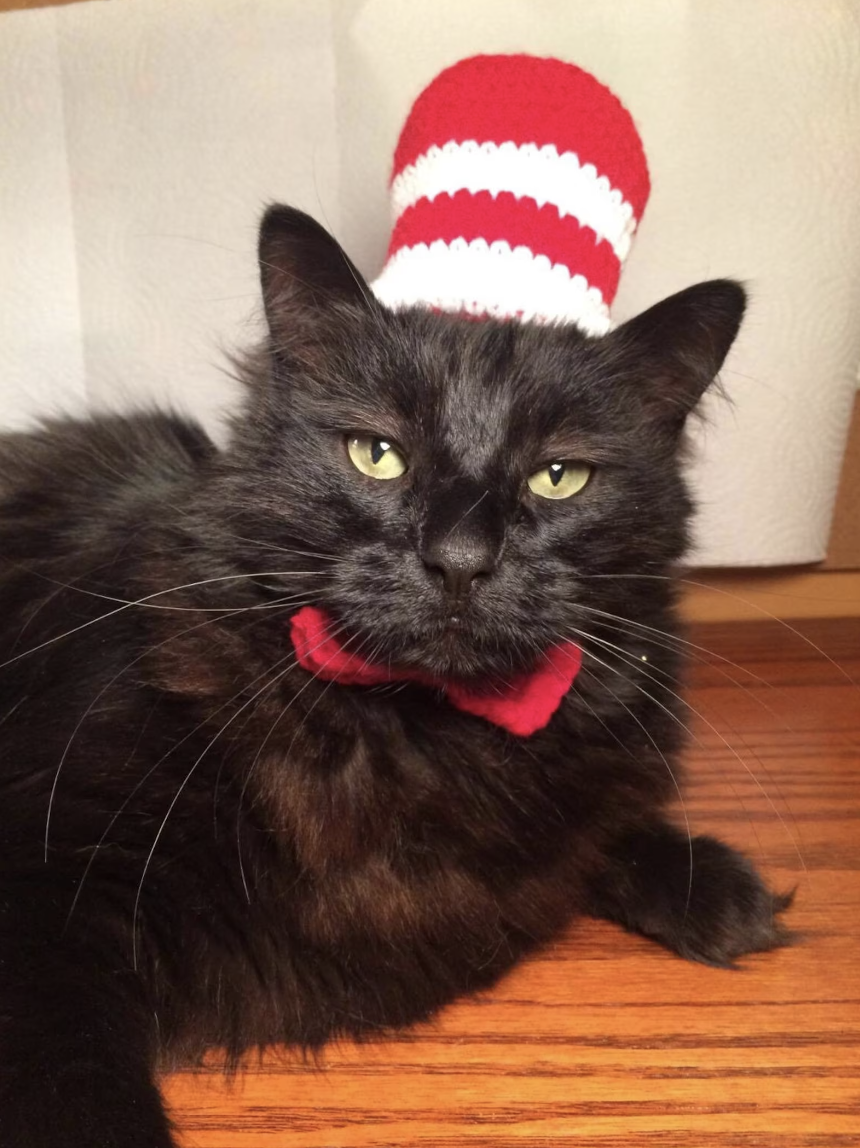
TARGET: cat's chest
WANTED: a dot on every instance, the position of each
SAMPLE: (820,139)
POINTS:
(393,827)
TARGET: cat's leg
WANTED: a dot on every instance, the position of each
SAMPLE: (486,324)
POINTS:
(77,1044)
(696,896)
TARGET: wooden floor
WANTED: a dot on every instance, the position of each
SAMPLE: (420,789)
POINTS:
(605,1039)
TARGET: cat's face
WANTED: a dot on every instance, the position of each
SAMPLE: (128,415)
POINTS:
(472,483)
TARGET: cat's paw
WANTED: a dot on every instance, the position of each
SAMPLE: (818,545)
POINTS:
(716,911)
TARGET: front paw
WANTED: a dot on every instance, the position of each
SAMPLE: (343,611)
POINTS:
(715,911)
(697,897)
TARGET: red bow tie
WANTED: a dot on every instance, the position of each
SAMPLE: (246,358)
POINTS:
(522,705)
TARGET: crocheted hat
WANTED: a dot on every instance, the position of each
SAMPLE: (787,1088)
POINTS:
(517,185)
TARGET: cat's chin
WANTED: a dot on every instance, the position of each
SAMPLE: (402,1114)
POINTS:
(455,647)
(453,653)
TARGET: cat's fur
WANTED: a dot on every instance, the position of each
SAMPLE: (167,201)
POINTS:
(200,844)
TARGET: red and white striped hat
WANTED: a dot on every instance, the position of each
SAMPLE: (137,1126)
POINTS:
(516,188)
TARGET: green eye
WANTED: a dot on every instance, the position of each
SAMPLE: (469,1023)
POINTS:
(560,479)
(375,456)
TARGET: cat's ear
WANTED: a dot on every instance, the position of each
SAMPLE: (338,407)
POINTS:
(305,274)
(676,348)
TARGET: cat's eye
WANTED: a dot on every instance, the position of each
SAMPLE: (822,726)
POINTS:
(561,479)
(375,456)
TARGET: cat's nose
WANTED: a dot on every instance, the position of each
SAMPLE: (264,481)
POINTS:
(460,560)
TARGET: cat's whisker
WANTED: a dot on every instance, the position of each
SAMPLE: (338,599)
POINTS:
(332,633)
(292,663)
(61,585)
(605,725)
(145,777)
(660,754)
(317,289)
(372,302)
(12,710)
(664,639)
(275,604)
(631,660)
(699,654)
(357,651)
(678,580)
(128,605)
(331,558)
(466,513)
(88,573)
(248,717)
(635,663)
(695,652)
(747,689)
(140,657)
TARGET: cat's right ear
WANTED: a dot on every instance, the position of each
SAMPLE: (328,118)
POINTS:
(305,274)
(675,349)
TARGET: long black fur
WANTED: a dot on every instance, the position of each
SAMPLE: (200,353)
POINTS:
(203,846)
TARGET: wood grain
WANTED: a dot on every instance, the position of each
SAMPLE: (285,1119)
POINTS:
(606,1040)
(781,592)
(843,549)
(12,5)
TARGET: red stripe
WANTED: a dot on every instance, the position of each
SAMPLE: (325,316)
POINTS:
(529,100)
(518,222)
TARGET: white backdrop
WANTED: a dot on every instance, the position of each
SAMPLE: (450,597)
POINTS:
(140,139)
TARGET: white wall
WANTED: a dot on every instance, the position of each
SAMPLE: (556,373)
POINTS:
(140,139)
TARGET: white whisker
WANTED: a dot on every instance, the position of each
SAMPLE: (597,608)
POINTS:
(661,754)
(142,780)
(335,633)
(631,660)
(137,602)
(747,602)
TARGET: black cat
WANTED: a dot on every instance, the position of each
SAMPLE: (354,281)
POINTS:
(204,844)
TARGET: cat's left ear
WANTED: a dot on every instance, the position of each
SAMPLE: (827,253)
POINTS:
(676,348)
(305,275)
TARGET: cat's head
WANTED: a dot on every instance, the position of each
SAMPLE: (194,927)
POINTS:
(474,488)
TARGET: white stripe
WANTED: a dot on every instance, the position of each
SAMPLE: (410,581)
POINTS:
(490,279)
(539,173)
